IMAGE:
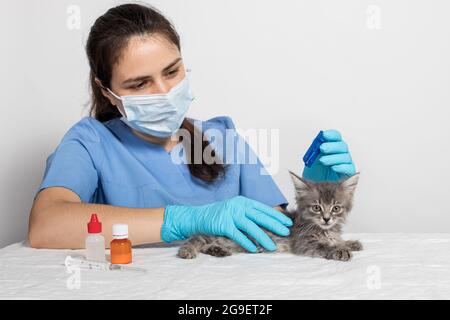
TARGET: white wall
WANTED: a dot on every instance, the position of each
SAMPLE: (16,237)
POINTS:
(300,66)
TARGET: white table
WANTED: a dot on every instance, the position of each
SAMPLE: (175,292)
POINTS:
(392,266)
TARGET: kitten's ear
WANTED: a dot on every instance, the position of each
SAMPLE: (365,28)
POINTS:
(300,184)
(350,184)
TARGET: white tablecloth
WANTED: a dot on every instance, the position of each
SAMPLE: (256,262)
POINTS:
(392,266)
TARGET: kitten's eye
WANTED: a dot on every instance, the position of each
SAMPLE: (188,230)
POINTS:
(316,208)
(336,209)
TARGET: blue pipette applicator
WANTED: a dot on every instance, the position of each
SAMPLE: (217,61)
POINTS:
(314,150)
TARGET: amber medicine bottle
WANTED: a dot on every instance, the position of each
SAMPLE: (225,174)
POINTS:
(120,246)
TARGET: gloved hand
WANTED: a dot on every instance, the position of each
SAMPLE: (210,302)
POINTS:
(226,218)
(334,161)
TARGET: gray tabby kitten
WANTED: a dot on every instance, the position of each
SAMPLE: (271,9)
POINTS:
(322,209)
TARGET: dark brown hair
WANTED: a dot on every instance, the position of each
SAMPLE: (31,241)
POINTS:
(107,38)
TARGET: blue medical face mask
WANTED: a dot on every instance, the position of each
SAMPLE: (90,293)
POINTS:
(159,115)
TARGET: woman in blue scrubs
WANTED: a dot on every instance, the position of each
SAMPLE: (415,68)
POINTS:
(133,160)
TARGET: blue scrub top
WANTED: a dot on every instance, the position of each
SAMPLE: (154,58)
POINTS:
(107,163)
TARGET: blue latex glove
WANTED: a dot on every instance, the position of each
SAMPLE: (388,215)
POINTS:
(334,161)
(226,218)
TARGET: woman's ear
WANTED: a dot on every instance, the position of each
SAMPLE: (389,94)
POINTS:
(105,93)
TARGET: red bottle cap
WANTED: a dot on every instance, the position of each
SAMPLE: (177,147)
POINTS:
(94,226)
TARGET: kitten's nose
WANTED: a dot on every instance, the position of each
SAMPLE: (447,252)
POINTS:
(326,219)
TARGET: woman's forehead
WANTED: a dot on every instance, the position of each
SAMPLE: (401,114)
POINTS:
(145,55)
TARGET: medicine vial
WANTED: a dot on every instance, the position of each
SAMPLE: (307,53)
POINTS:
(120,245)
(95,242)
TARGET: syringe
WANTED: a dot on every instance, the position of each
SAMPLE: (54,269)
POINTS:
(82,263)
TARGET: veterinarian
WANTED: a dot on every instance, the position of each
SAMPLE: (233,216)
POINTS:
(119,163)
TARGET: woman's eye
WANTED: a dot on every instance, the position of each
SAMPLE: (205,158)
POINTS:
(173,72)
(140,85)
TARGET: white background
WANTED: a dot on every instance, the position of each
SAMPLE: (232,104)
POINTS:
(300,66)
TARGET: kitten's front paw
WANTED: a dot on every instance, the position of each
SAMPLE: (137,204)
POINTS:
(187,252)
(341,254)
(354,245)
(216,251)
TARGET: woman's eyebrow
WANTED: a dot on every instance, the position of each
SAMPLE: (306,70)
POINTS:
(142,78)
(172,64)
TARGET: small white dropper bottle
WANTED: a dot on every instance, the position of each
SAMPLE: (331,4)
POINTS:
(95,242)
